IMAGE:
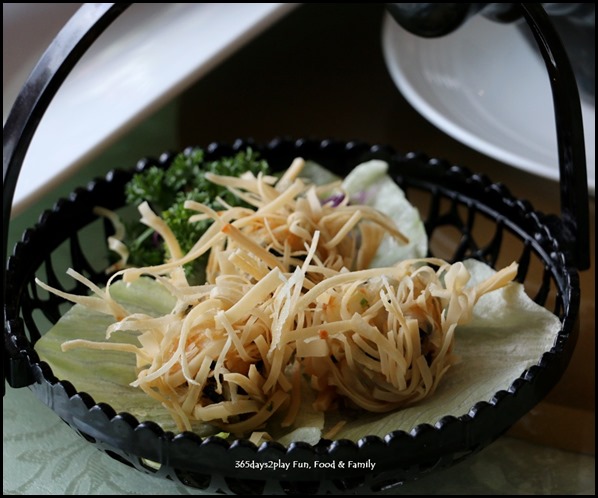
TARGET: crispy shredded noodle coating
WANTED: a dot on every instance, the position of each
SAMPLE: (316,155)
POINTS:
(290,300)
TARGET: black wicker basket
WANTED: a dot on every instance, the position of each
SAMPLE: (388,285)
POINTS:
(551,249)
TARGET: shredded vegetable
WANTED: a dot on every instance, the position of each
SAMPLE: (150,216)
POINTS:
(290,301)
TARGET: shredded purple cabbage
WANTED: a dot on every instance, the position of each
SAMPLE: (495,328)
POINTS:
(335,199)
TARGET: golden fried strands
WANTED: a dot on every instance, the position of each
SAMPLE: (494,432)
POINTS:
(289,299)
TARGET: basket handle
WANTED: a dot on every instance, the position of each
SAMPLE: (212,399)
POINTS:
(570,136)
(84,27)
(92,19)
(431,20)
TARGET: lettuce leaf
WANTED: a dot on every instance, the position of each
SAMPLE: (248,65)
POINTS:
(508,334)
(369,183)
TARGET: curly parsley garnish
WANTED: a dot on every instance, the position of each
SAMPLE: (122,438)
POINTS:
(166,190)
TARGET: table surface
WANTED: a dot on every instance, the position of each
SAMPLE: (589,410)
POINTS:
(319,73)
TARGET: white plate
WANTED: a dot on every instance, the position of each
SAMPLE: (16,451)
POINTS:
(485,86)
(151,53)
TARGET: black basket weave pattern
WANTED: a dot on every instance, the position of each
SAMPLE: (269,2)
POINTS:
(450,196)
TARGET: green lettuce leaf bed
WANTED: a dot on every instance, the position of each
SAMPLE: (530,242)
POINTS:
(509,333)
